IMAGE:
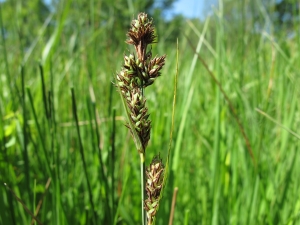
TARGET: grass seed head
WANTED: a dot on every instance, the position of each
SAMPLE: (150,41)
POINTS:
(137,73)
(155,175)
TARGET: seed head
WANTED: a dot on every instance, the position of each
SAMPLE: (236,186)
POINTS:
(155,175)
(141,34)
(138,72)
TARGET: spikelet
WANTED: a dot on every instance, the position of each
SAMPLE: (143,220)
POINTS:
(137,73)
(141,34)
(155,175)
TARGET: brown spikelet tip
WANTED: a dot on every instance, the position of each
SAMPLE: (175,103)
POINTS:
(141,34)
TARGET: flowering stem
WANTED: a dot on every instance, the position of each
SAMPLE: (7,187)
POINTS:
(139,71)
(143,189)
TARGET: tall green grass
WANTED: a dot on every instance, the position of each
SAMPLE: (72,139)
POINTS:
(88,153)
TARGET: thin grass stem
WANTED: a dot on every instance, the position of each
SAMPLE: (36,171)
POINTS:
(92,110)
(113,160)
(25,135)
(143,189)
(173,206)
(44,92)
(81,149)
(24,205)
(41,137)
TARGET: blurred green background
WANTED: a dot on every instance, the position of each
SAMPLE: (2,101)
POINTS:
(55,55)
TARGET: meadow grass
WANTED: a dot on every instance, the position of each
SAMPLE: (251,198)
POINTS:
(62,121)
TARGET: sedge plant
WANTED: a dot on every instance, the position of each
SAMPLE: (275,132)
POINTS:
(139,71)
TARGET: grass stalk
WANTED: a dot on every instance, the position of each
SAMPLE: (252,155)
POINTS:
(81,149)
(44,92)
(173,206)
(24,205)
(41,137)
(121,197)
(143,188)
(92,110)
(186,217)
(215,184)
(25,135)
(113,160)
(139,71)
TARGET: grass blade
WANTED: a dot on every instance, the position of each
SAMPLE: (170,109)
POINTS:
(81,150)
(41,137)
(278,124)
(103,177)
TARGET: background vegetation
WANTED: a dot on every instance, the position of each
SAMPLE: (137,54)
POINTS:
(53,56)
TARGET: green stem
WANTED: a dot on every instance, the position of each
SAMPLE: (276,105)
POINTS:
(143,189)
